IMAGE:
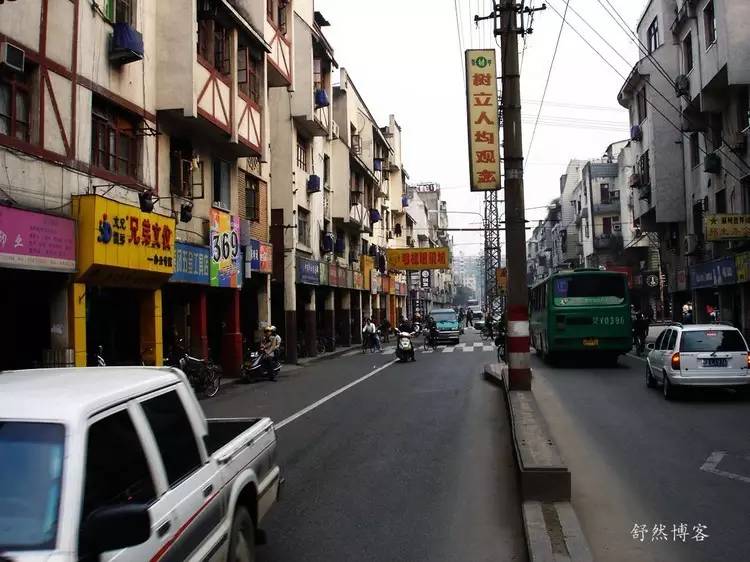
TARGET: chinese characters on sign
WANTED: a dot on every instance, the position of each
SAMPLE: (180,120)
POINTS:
(191,264)
(502,278)
(482,112)
(727,227)
(660,532)
(31,240)
(226,258)
(413,259)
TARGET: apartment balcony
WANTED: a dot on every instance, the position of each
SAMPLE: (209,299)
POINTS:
(352,217)
(312,113)
(277,33)
(610,208)
(610,242)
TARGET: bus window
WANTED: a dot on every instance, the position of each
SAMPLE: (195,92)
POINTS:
(588,290)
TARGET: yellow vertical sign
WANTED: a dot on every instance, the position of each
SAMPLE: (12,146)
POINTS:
(482,113)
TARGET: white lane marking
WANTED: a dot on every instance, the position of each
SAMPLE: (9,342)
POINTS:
(713,461)
(333,394)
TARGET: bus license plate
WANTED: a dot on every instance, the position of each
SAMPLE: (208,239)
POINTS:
(591,342)
(714,362)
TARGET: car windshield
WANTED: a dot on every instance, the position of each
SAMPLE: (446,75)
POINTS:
(445,316)
(711,341)
(597,289)
(31,458)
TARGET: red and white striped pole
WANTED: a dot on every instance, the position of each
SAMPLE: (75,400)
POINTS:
(517,346)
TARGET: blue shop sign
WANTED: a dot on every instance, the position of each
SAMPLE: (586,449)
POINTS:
(308,271)
(253,257)
(713,273)
(192,264)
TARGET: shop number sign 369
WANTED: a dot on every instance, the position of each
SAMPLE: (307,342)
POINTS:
(226,258)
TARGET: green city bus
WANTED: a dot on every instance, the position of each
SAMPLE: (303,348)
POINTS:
(581,310)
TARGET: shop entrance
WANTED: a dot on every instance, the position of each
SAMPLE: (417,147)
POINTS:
(113,322)
(26,298)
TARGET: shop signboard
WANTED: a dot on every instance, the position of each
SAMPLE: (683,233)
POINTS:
(308,271)
(392,286)
(384,283)
(413,259)
(266,257)
(30,240)
(414,279)
(349,279)
(501,278)
(713,273)
(375,282)
(727,227)
(742,264)
(482,112)
(323,273)
(358,280)
(425,281)
(120,244)
(226,257)
(191,264)
(333,275)
(258,257)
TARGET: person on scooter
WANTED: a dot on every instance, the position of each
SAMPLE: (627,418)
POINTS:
(270,347)
(405,325)
(640,331)
(370,332)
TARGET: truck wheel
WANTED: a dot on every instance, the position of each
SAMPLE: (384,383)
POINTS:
(242,541)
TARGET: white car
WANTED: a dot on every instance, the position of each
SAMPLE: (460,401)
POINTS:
(698,355)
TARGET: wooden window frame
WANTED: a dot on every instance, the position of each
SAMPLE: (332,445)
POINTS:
(303,226)
(302,154)
(252,198)
(641,104)
(107,128)
(688,60)
(17,87)
(217,199)
(248,74)
(695,150)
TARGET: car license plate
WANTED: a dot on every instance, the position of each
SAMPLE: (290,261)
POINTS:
(591,342)
(714,362)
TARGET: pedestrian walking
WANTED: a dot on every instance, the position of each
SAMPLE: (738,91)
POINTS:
(470,318)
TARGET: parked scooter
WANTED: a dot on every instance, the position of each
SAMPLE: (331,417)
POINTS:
(405,347)
(259,365)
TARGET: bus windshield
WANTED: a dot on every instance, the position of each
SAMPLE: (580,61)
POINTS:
(586,290)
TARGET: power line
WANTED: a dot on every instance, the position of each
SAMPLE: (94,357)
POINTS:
(546,84)
(648,101)
(460,41)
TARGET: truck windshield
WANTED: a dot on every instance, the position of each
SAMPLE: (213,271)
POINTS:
(445,316)
(711,340)
(30,480)
(585,290)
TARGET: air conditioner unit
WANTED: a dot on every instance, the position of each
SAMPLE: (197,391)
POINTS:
(12,57)
(712,164)
(616,227)
(692,244)
(682,85)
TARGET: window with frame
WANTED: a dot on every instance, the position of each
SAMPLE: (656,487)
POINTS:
(117,471)
(221,186)
(687,53)
(695,150)
(185,170)
(214,45)
(644,168)
(252,198)
(174,435)
(652,35)
(721,201)
(302,150)
(120,11)
(709,23)
(303,226)
(604,193)
(114,144)
(607,225)
(15,106)
(249,70)
(641,104)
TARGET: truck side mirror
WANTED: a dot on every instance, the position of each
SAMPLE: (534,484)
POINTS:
(650,346)
(115,527)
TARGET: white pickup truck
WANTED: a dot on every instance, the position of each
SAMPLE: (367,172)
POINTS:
(121,464)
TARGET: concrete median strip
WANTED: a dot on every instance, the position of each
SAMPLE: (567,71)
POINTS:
(553,532)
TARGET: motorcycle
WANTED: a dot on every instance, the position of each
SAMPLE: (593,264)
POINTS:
(405,347)
(257,365)
(204,376)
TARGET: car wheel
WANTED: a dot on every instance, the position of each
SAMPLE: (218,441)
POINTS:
(650,380)
(242,541)
(669,391)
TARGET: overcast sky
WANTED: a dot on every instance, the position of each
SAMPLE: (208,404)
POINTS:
(405,59)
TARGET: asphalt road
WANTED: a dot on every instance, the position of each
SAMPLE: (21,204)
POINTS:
(413,463)
(636,458)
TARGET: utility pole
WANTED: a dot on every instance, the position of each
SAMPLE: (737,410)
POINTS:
(517,312)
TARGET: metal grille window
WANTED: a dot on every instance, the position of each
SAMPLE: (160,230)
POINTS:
(15,101)
(114,145)
(303,226)
(120,11)
(252,198)
(221,48)
(695,154)
(221,184)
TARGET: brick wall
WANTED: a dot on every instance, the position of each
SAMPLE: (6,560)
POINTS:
(258,229)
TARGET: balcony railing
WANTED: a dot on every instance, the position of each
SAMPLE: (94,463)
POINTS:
(611,241)
(609,208)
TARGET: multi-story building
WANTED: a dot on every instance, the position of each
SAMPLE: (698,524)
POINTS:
(133,140)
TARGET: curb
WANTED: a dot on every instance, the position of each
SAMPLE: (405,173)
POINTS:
(550,524)
(323,356)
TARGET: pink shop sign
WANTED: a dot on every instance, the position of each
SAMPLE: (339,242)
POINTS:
(30,240)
